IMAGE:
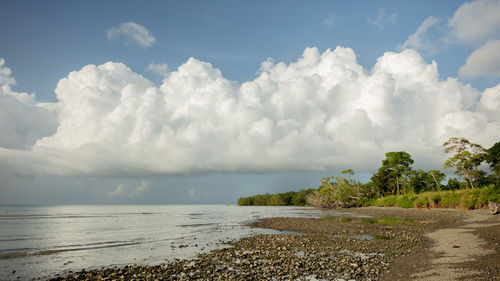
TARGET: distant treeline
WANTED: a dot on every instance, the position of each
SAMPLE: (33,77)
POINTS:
(396,183)
(291,198)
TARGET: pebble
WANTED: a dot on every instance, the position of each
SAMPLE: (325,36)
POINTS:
(273,256)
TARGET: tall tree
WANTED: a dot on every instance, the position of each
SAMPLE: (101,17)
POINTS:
(396,165)
(467,158)
(438,177)
(493,159)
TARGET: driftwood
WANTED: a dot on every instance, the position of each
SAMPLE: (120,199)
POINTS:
(493,207)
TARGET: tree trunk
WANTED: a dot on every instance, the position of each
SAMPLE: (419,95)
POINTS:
(467,176)
(397,185)
(438,186)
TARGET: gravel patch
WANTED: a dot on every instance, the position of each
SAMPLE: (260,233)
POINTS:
(336,248)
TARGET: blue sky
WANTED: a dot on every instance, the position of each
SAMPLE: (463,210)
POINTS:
(44,41)
(407,75)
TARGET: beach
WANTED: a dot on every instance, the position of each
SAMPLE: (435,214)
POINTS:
(376,244)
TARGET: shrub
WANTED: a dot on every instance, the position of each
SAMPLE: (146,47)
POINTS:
(404,202)
(421,202)
(449,199)
(463,198)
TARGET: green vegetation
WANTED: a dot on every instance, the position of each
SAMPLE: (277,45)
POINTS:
(468,156)
(280,199)
(463,198)
(397,184)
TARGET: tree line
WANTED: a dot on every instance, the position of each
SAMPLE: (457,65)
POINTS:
(396,177)
(291,198)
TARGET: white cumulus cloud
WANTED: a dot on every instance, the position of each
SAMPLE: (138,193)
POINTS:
(322,112)
(476,21)
(22,121)
(484,61)
(476,24)
(132,32)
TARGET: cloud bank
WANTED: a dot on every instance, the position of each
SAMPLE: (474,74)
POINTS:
(132,32)
(321,112)
(22,122)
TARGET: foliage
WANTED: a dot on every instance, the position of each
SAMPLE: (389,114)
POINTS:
(463,199)
(453,184)
(342,191)
(468,156)
(280,199)
(421,181)
(334,192)
(396,184)
(493,159)
(395,170)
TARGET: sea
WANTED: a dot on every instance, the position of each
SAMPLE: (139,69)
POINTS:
(39,242)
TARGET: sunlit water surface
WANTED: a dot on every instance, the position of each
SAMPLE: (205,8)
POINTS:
(52,240)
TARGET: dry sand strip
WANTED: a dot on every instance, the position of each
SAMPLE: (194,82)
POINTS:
(454,247)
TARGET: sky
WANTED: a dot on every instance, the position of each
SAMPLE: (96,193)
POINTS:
(180,102)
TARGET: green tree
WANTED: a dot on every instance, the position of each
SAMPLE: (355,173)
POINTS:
(276,200)
(438,177)
(334,192)
(466,160)
(493,159)
(396,166)
(421,181)
(453,184)
(382,182)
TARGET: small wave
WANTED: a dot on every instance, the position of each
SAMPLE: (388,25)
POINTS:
(67,216)
(196,214)
(196,224)
(20,254)
(34,217)
(19,239)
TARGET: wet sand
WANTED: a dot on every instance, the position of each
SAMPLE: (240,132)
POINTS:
(401,244)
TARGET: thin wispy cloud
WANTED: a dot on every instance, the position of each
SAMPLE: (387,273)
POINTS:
(331,21)
(131,32)
(420,40)
(383,17)
(475,24)
(141,188)
(122,191)
(119,191)
(192,192)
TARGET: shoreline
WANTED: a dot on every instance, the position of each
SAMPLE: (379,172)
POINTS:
(403,244)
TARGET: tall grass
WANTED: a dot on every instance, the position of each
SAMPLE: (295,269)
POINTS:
(463,199)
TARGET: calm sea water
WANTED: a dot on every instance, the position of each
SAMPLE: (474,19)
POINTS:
(51,240)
